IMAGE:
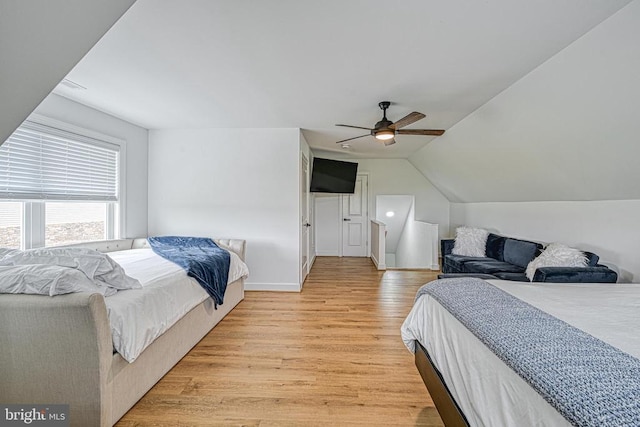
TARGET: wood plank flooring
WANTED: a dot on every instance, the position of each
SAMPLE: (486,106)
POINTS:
(330,355)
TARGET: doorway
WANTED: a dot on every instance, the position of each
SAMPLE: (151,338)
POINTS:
(341,222)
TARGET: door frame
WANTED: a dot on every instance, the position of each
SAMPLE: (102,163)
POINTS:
(367,219)
(304,216)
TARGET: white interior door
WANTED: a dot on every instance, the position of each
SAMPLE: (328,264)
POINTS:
(304,218)
(355,219)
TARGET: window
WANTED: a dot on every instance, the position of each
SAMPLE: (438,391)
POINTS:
(67,223)
(58,185)
(10,225)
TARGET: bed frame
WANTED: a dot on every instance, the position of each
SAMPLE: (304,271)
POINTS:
(449,411)
(59,350)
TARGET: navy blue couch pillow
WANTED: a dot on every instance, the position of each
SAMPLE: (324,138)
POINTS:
(592,259)
(495,246)
(520,252)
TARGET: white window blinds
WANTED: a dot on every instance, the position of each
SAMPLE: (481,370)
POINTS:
(41,162)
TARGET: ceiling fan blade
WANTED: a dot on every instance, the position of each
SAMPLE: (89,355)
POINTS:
(427,132)
(355,127)
(407,120)
(389,142)
(355,137)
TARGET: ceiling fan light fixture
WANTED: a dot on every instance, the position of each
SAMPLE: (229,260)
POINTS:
(385,130)
(385,134)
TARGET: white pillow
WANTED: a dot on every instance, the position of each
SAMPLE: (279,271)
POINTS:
(470,242)
(557,255)
(47,280)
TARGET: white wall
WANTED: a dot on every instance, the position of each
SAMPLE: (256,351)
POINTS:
(136,138)
(547,158)
(400,206)
(399,177)
(566,131)
(327,225)
(390,260)
(608,228)
(418,244)
(237,183)
(40,42)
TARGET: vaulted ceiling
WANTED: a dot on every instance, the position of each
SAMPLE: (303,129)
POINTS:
(567,131)
(538,99)
(312,64)
(40,42)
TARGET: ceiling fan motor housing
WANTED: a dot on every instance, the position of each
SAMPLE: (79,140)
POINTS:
(383,125)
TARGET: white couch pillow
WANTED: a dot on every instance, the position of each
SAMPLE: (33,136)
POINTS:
(47,280)
(557,255)
(470,242)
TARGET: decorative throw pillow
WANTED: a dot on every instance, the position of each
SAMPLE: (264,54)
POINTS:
(470,242)
(557,255)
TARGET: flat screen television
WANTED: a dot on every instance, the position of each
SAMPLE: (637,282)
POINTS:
(333,176)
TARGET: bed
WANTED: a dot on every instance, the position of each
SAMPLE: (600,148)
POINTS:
(496,378)
(101,354)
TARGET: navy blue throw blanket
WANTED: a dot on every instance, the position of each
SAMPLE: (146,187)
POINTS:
(201,258)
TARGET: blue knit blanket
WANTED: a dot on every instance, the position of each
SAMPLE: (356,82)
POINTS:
(588,381)
(201,258)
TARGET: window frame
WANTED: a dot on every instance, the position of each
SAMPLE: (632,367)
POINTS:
(33,211)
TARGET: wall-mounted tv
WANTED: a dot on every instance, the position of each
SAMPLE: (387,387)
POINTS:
(333,176)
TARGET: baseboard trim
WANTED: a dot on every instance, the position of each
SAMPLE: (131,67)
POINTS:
(277,287)
(327,253)
(377,264)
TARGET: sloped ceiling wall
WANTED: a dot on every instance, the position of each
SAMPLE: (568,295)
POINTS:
(400,206)
(40,42)
(569,130)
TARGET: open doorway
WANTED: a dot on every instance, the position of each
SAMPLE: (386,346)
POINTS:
(409,243)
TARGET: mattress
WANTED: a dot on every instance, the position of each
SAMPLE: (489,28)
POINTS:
(490,393)
(139,316)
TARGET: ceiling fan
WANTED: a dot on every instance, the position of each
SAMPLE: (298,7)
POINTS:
(385,130)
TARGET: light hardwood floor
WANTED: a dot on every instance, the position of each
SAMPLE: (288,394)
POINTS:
(331,355)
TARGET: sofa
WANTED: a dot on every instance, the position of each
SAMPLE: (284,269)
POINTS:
(60,349)
(507,258)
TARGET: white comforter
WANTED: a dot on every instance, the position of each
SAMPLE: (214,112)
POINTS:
(139,316)
(57,271)
(490,393)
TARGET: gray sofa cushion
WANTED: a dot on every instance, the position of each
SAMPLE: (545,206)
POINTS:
(520,252)
(516,277)
(456,263)
(491,266)
(458,275)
